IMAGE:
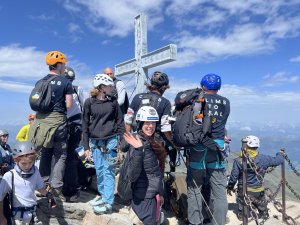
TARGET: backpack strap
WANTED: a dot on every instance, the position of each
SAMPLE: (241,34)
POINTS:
(76,92)
(11,194)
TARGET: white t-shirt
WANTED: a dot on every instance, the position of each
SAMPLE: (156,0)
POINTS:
(78,100)
(24,195)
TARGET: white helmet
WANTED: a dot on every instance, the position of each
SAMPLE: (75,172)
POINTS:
(102,79)
(252,141)
(147,113)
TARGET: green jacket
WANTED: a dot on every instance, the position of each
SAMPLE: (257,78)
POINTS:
(42,131)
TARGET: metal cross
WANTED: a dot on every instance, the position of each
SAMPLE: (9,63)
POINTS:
(143,60)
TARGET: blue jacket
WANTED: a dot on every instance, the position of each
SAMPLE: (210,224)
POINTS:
(262,161)
(6,159)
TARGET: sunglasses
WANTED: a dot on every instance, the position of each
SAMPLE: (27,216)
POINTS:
(5,135)
(109,74)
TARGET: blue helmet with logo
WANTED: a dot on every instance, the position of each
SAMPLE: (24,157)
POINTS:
(211,81)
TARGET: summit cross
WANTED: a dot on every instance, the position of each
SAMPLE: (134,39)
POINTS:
(143,60)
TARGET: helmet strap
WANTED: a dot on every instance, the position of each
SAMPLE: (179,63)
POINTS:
(25,174)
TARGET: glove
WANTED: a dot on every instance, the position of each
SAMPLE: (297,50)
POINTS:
(51,200)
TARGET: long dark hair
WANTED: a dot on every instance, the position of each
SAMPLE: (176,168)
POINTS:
(158,148)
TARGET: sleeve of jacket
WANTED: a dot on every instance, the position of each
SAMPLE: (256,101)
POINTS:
(119,119)
(136,163)
(235,173)
(120,86)
(269,161)
(21,136)
(85,123)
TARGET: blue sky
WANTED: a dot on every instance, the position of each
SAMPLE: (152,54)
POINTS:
(253,45)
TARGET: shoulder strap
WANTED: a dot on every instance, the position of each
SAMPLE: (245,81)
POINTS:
(12,189)
(76,92)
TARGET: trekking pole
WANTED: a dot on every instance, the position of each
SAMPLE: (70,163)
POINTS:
(283,192)
(245,175)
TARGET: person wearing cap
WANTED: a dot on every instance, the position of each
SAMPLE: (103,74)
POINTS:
(6,160)
(159,83)
(102,124)
(24,179)
(119,90)
(74,114)
(255,188)
(49,131)
(146,167)
(206,164)
(23,133)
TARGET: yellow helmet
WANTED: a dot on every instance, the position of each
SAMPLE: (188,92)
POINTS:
(54,57)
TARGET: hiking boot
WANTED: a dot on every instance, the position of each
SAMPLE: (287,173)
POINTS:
(103,209)
(97,201)
(58,194)
(74,198)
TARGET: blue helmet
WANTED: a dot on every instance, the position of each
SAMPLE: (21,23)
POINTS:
(211,81)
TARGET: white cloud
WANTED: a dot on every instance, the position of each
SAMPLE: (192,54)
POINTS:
(248,27)
(41,17)
(27,64)
(100,19)
(280,78)
(295,59)
(245,129)
(15,86)
(74,28)
(22,62)
(207,30)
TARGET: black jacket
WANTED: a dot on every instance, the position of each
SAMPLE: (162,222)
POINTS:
(102,119)
(144,171)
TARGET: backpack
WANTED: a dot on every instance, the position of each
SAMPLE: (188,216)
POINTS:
(192,122)
(114,94)
(40,96)
(8,202)
(125,184)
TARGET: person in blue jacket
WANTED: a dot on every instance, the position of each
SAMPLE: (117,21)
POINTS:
(255,188)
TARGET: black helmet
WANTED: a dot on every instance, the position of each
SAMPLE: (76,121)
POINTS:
(69,73)
(159,79)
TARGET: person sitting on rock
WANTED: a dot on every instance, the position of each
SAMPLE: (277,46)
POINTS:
(255,188)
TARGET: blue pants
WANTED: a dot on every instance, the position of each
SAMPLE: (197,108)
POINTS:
(105,167)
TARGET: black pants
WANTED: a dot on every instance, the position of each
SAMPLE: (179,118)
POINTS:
(71,176)
(7,210)
(259,202)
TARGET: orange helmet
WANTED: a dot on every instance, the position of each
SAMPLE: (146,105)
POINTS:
(54,57)
(31,116)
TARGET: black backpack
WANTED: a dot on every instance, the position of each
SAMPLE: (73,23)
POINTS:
(148,99)
(40,96)
(192,123)
(125,184)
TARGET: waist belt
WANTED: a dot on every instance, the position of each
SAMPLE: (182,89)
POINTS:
(75,117)
(22,210)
